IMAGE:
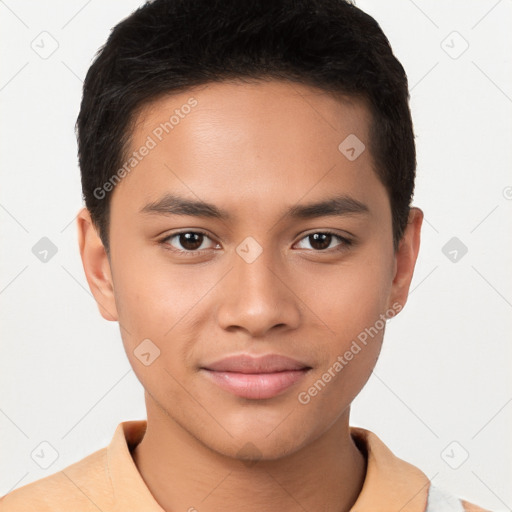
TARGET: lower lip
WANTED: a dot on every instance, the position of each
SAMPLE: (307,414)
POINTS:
(256,385)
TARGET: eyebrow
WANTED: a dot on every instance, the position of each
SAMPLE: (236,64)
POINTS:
(171,204)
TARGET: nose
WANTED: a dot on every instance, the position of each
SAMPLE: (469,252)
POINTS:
(258,296)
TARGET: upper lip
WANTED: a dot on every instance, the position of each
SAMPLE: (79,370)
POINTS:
(245,363)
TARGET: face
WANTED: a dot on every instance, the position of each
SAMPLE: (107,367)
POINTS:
(245,229)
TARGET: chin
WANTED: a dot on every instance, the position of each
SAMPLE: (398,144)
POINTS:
(262,441)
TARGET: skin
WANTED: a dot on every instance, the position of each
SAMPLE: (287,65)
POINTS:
(254,150)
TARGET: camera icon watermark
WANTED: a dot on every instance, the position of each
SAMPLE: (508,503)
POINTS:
(455,455)
(454,45)
(507,193)
(146,352)
(250,454)
(45,45)
(44,455)
(454,249)
(249,249)
(44,250)
(352,147)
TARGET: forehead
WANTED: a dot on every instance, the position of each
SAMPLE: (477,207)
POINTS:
(258,108)
(238,142)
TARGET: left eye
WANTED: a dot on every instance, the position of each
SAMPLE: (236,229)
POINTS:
(322,240)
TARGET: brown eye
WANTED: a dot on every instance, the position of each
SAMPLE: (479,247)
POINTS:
(322,240)
(186,241)
(191,241)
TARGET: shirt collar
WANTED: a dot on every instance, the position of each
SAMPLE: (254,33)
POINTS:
(390,483)
(130,491)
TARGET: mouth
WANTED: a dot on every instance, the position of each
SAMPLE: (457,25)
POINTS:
(255,378)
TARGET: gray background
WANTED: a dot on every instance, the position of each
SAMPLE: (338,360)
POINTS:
(441,393)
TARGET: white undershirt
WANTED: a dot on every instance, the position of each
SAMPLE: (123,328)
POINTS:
(441,501)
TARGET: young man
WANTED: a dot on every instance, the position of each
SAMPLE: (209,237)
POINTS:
(247,169)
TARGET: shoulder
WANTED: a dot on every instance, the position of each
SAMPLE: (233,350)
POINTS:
(84,485)
(391,481)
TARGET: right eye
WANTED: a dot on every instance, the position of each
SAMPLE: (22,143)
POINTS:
(190,242)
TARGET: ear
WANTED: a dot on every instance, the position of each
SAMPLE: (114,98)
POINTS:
(96,265)
(405,258)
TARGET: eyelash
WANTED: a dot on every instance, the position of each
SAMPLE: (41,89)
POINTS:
(345,242)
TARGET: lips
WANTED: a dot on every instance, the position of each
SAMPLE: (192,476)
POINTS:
(255,377)
(244,363)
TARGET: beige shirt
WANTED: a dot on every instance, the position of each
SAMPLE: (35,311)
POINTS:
(108,481)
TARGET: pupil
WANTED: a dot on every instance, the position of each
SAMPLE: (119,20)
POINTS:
(324,242)
(187,240)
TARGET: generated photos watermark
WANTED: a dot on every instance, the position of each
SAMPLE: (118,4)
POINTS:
(152,140)
(363,337)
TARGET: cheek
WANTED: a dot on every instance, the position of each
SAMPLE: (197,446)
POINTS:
(351,303)
(348,352)
(161,302)
(153,325)
(351,297)
(152,295)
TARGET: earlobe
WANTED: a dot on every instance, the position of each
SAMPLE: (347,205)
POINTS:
(405,257)
(96,265)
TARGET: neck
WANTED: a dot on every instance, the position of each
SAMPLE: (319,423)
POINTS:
(184,474)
